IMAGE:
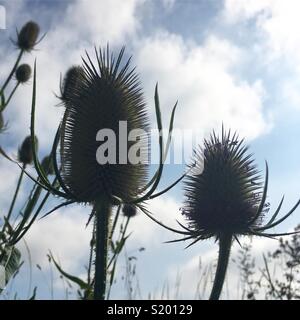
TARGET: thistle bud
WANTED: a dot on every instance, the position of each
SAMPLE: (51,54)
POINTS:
(129,210)
(27,37)
(23,73)
(47,165)
(25,153)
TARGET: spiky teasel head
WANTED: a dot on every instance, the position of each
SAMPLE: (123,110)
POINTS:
(129,210)
(71,83)
(47,165)
(100,98)
(28,36)
(23,73)
(25,154)
(223,198)
(227,197)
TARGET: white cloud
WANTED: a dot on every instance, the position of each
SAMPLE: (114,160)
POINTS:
(202,79)
(278,21)
(164,209)
(63,233)
(290,92)
(238,10)
(96,22)
(169,4)
(277,43)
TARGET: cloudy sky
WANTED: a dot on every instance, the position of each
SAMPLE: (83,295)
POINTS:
(226,61)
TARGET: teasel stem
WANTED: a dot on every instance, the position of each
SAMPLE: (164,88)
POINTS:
(92,244)
(225,242)
(16,194)
(12,71)
(102,214)
(11,95)
(115,222)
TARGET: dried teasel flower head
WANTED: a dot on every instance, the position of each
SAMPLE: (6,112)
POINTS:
(71,82)
(47,165)
(25,154)
(224,198)
(227,196)
(23,73)
(28,36)
(129,210)
(103,96)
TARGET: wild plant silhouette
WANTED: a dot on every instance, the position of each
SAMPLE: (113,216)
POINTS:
(224,198)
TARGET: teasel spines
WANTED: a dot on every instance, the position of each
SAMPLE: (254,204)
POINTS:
(104,95)
(225,197)
(28,36)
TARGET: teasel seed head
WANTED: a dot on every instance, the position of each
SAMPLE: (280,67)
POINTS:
(72,80)
(28,36)
(225,197)
(129,210)
(99,99)
(25,154)
(23,73)
(47,165)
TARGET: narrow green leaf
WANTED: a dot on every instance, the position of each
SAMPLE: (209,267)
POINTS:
(82,284)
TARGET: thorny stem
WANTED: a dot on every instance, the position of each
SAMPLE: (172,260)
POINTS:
(225,241)
(103,211)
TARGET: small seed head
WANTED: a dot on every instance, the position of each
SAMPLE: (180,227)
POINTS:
(25,154)
(129,210)
(23,73)
(71,83)
(27,37)
(47,165)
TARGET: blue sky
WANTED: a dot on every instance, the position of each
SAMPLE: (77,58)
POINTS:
(229,61)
